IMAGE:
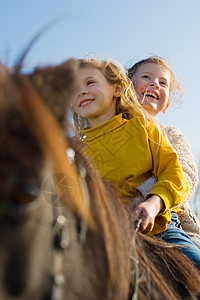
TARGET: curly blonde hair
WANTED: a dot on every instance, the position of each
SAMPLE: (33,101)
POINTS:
(127,103)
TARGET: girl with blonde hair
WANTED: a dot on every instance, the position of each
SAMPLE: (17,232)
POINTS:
(147,77)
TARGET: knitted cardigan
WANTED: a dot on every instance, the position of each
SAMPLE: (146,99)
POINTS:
(181,145)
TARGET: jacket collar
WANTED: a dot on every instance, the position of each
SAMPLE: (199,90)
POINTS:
(101,129)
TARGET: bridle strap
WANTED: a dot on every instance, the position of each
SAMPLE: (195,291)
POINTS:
(61,242)
(62,233)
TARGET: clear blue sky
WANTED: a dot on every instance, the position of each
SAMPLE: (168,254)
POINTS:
(124,30)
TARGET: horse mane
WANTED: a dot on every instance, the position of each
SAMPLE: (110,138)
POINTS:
(168,267)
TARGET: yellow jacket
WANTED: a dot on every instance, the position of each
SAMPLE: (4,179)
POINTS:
(127,153)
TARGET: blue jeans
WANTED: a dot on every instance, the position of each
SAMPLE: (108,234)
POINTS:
(173,234)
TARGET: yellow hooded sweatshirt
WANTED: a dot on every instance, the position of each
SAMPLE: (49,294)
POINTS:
(127,152)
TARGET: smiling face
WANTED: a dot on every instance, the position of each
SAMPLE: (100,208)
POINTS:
(96,98)
(152,85)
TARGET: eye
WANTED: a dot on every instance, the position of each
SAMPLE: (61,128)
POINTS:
(164,83)
(146,76)
(90,82)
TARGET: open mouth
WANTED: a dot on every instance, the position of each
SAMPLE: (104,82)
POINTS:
(151,95)
(86,102)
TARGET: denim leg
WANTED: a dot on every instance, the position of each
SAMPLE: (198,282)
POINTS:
(173,234)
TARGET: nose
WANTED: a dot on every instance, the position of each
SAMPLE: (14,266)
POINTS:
(155,84)
(83,90)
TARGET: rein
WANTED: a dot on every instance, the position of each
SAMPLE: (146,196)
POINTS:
(135,260)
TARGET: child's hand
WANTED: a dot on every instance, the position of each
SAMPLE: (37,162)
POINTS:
(133,203)
(148,210)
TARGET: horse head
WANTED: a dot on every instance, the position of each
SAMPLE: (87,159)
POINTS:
(47,198)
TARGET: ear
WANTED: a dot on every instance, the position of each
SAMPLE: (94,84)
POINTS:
(117,90)
(56,85)
(166,107)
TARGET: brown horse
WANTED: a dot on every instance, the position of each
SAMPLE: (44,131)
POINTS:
(64,233)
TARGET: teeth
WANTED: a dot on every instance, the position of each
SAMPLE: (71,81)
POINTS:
(151,94)
(86,102)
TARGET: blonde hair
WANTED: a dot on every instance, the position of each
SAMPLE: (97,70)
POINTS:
(175,89)
(127,103)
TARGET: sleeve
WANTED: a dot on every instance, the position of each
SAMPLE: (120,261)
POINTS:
(183,149)
(172,185)
(145,187)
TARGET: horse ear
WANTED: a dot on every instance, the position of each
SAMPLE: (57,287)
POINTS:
(56,85)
